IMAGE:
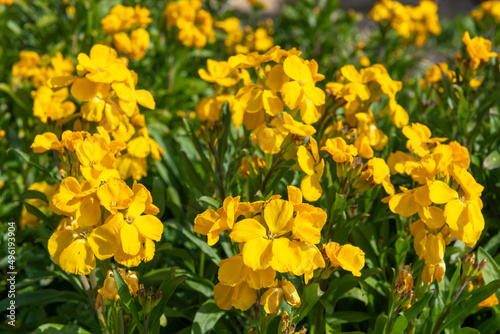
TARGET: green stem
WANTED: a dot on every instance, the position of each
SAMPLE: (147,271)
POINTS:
(443,316)
(277,160)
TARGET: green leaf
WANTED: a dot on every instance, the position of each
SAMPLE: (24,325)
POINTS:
(492,270)
(206,317)
(127,300)
(58,328)
(34,194)
(418,307)
(454,283)
(492,161)
(345,317)
(467,330)
(202,245)
(43,297)
(399,325)
(168,287)
(311,294)
(26,158)
(466,304)
(158,193)
(381,323)
(36,212)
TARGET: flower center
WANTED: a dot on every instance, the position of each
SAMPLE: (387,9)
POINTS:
(129,219)
(301,83)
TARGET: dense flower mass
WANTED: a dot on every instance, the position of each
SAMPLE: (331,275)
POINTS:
(411,22)
(275,237)
(260,168)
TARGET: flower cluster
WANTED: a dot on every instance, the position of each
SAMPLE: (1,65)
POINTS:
(479,51)
(267,105)
(239,41)
(275,237)
(109,290)
(446,198)
(47,105)
(102,215)
(195,24)
(122,19)
(409,21)
(107,89)
(487,9)
(356,91)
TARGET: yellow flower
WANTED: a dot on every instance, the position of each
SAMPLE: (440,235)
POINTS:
(266,246)
(433,272)
(75,250)
(408,202)
(339,150)
(103,65)
(302,84)
(50,105)
(313,166)
(115,195)
(273,297)
(428,245)
(419,136)
(479,50)
(218,72)
(377,171)
(233,271)
(240,296)
(348,257)
(133,227)
(212,223)
(256,163)
(109,290)
(463,212)
(45,142)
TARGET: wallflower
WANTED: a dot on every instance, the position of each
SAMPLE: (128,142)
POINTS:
(273,297)
(348,257)
(103,65)
(218,72)
(302,83)
(75,250)
(109,290)
(463,212)
(240,296)
(339,150)
(313,166)
(266,246)
(433,272)
(49,105)
(212,223)
(133,227)
(479,50)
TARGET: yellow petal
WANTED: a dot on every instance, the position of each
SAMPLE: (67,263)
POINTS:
(103,242)
(130,239)
(441,193)
(145,99)
(277,215)
(84,90)
(257,253)
(311,187)
(77,258)
(306,161)
(149,226)
(246,230)
(45,142)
